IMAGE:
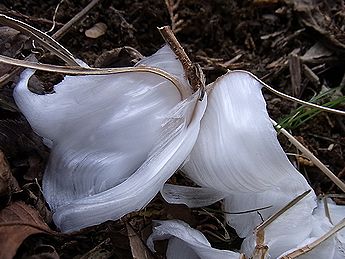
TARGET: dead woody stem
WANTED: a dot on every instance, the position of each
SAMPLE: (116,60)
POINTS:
(194,74)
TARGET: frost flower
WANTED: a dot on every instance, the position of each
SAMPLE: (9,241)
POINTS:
(186,242)
(115,139)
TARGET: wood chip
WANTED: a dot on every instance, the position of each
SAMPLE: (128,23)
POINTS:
(295,73)
(96,31)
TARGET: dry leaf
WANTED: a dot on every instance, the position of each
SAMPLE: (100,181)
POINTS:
(7,182)
(11,43)
(17,222)
(96,31)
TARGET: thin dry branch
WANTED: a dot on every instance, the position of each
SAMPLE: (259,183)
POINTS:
(311,157)
(293,99)
(57,35)
(194,75)
(64,29)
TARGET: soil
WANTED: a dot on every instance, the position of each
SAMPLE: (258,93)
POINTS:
(265,37)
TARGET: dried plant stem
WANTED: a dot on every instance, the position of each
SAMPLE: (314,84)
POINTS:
(276,215)
(194,75)
(261,248)
(46,41)
(175,21)
(7,77)
(293,99)
(94,71)
(64,29)
(311,157)
(54,16)
(57,35)
(312,245)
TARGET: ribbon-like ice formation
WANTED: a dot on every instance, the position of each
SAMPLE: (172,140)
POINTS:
(115,139)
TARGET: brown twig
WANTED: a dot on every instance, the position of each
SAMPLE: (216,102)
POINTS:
(272,218)
(194,74)
(311,157)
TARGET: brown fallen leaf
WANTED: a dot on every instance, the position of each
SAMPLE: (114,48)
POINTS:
(11,43)
(17,222)
(8,183)
(138,248)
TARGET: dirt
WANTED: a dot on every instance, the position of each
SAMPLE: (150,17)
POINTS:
(261,36)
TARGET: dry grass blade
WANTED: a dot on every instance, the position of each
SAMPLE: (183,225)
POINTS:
(312,245)
(272,218)
(311,156)
(42,38)
(61,32)
(260,248)
(17,222)
(54,16)
(93,71)
(293,99)
(57,35)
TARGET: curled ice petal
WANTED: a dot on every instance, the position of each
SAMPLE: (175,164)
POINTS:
(237,152)
(186,242)
(332,247)
(274,198)
(176,140)
(193,197)
(103,129)
(237,149)
(288,230)
(336,212)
